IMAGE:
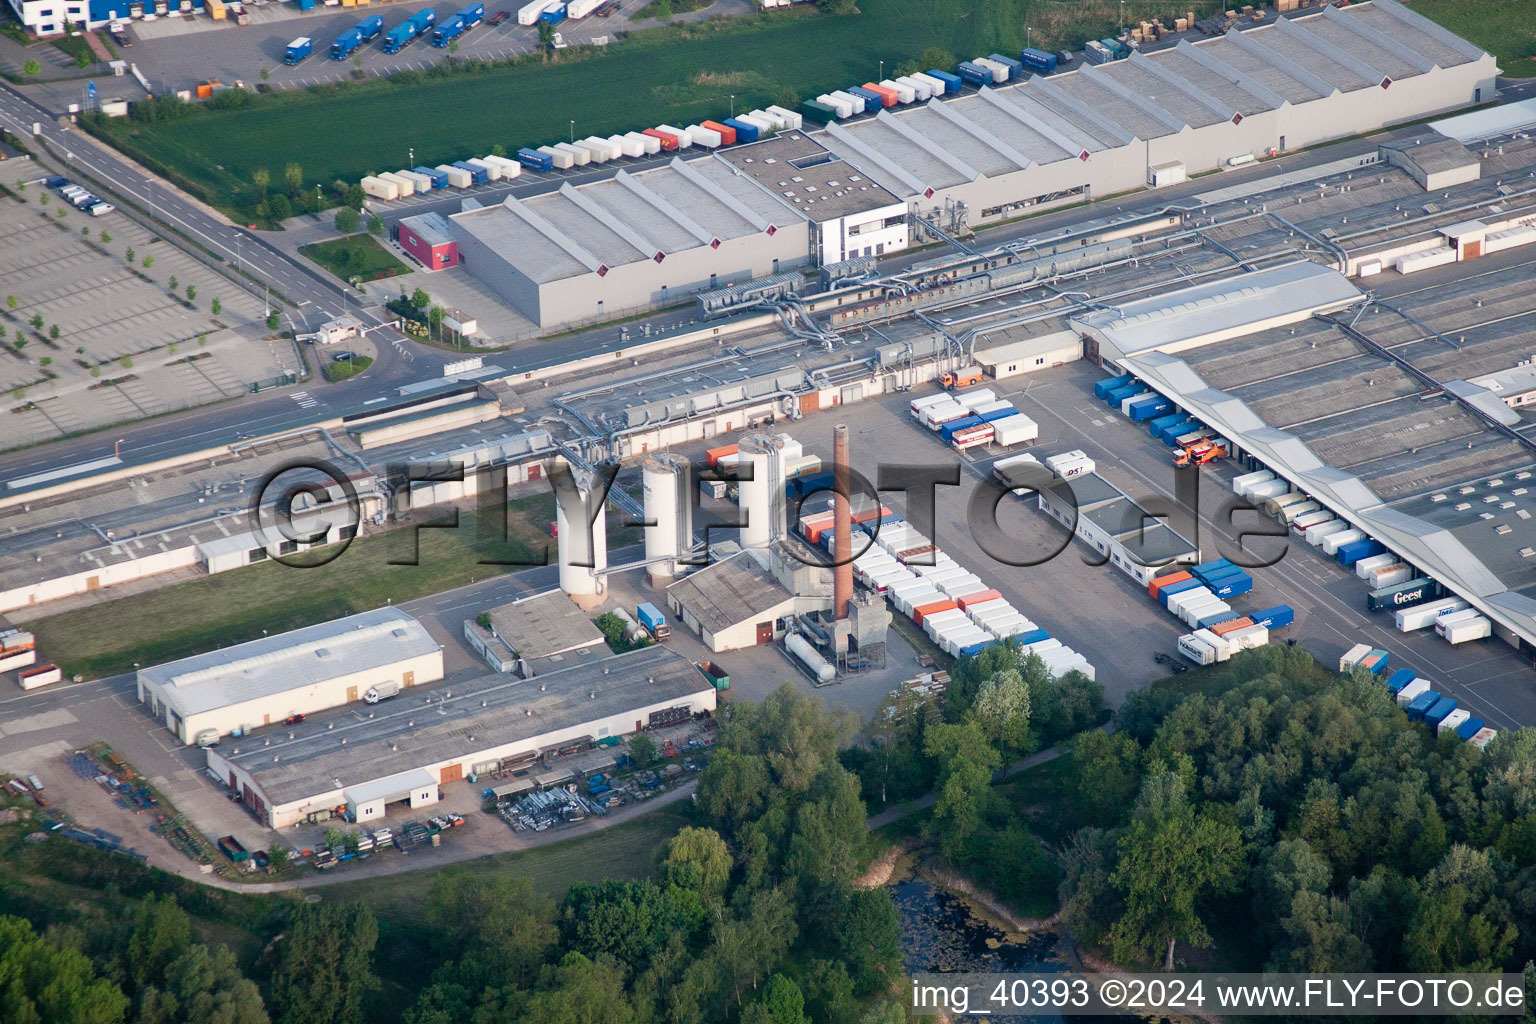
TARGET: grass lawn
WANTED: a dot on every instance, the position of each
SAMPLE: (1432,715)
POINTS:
(355,256)
(335,371)
(239,605)
(677,74)
(624,851)
(1502,27)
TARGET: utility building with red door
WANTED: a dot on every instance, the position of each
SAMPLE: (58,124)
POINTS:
(425,236)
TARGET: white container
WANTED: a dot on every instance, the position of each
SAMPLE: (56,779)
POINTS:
(1178,602)
(1410,693)
(791,118)
(1365,566)
(650,144)
(1255,493)
(612,150)
(1248,479)
(1334,541)
(763,125)
(1315,534)
(1415,262)
(1467,629)
(904,92)
(597,152)
(1307,520)
(1391,576)
(1480,741)
(1422,615)
(378,188)
(492,172)
(458,177)
(996,405)
(683,139)
(1352,656)
(1248,637)
(578,9)
(528,14)
(1451,722)
(632,144)
(559,157)
(921,92)
(917,405)
(403,186)
(1040,647)
(421,181)
(936,87)
(1193,613)
(854,103)
(999,71)
(977,398)
(1222,645)
(940,413)
(841,107)
(706,137)
(579,156)
(509,168)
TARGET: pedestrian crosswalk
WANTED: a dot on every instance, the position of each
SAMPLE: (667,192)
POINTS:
(305,400)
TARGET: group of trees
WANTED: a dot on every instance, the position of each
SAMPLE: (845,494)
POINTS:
(753,915)
(1305,805)
(148,967)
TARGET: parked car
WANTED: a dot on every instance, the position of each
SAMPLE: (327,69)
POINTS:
(498,18)
(341,357)
(294,719)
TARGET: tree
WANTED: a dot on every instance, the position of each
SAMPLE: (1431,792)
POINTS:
(1001,708)
(332,837)
(375,225)
(353,195)
(53,331)
(36,322)
(498,150)
(11,301)
(44,984)
(191,292)
(869,938)
(781,1002)
(420,298)
(173,283)
(263,179)
(105,238)
(130,255)
(435,317)
(29,69)
(273,321)
(279,208)
(265,74)
(546,35)
(216,306)
(965,762)
(643,749)
(697,859)
(629,921)
(149,261)
(1170,859)
(293,178)
(347,220)
(325,964)
(277,856)
(83,59)
(1106,775)
(203,986)
(502,925)
(161,931)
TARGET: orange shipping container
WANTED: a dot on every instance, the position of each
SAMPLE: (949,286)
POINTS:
(980,597)
(888,97)
(1163,581)
(1230,625)
(713,455)
(869,513)
(923,611)
(727,133)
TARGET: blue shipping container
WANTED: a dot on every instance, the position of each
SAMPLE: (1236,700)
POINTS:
(952,82)
(1380,668)
(997,414)
(424,19)
(1167,592)
(1231,586)
(1218,618)
(1102,388)
(1352,552)
(471,14)
(1034,636)
(439,178)
(1038,60)
(1213,565)
(744,132)
(1114,396)
(447,32)
(534,160)
(345,43)
(1174,431)
(1015,68)
(873,101)
(949,429)
(971,650)
(1278,617)
(974,74)
(1435,715)
(1471,727)
(1404,595)
(1142,411)
(477,175)
(554,16)
(1166,420)
(1422,703)
(1399,679)
(370,27)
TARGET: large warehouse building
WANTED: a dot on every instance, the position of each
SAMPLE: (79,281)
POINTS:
(640,240)
(240,688)
(414,744)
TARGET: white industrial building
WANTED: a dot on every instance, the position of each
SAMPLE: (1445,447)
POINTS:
(1134,540)
(413,744)
(236,689)
(739,601)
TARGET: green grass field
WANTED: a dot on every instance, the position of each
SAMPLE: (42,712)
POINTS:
(676,74)
(1505,28)
(335,371)
(355,256)
(242,604)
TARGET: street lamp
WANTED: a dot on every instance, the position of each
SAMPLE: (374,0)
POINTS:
(573,132)
(733,104)
(881,76)
(412,151)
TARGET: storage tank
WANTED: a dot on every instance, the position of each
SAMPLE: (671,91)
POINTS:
(668,514)
(581,541)
(762,497)
(808,656)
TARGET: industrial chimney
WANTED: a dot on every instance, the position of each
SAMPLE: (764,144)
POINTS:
(842,543)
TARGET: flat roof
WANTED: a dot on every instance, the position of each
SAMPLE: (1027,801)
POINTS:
(544,625)
(391,787)
(807,177)
(419,727)
(1489,122)
(1432,153)
(729,592)
(290,661)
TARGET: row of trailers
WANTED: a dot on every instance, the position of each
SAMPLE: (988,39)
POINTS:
(920,87)
(392,185)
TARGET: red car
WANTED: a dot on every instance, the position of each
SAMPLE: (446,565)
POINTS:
(293,719)
(498,18)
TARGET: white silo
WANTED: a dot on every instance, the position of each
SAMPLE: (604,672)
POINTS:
(668,513)
(582,543)
(762,497)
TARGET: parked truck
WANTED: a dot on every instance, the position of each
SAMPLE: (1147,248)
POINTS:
(298,49)
(448,31)
(346,44)
(963,378)
(381,691)
(654,622)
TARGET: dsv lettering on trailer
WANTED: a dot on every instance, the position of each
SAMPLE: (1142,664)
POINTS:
(280,516)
